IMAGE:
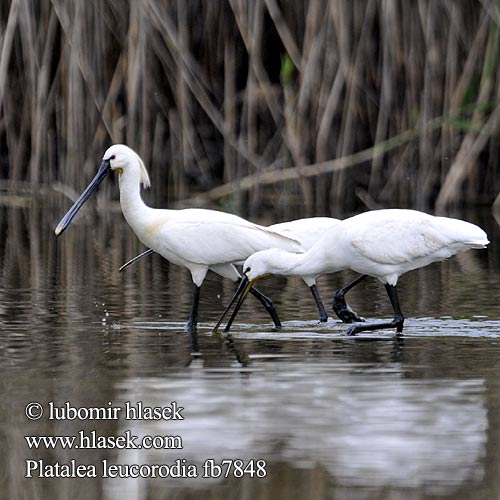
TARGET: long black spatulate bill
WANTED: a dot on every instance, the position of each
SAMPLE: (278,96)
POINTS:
(241,288)
(104,169)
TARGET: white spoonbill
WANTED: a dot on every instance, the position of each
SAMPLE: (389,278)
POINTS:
(198,239)
(307,232)
(383,244)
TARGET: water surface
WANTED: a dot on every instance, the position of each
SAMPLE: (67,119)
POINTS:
(332,416)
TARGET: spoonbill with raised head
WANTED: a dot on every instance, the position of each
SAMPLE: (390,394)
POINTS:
(198,239)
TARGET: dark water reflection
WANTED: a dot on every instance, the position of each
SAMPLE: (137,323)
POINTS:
(334,417)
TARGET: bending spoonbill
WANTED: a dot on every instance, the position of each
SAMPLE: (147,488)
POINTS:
(383,244)
(306,231)
(198,239)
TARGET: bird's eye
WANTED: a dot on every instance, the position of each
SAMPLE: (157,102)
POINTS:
(112,157)
(247,270)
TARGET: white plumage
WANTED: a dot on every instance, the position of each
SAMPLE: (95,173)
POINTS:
(307,232)
(201,239)
(193,238)
(382,243)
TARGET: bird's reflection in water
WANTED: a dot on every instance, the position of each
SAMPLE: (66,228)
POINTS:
(364,422)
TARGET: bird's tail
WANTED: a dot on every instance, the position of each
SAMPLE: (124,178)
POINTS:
(463,233)
(478,244)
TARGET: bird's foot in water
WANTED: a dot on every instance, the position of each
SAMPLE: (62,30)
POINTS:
(191,327)
(344,312)
(323,318)
(396,323)
(353,330)
(349,316)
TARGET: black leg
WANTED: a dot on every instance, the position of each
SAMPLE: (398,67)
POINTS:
(268,304)
(323,316)
(398,315)
(397,322)
(340,307)
(193,317)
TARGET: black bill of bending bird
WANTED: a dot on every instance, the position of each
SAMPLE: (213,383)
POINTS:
(383,244)
(197,239)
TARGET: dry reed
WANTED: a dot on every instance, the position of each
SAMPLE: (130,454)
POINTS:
(340,102)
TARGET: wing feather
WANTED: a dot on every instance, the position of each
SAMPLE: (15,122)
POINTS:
(210,237)
(397,242)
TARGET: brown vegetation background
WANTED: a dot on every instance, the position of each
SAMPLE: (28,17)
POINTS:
(332,103)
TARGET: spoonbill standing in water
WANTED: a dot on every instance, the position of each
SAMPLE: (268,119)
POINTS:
(307,232)
(198,239)
(383,244)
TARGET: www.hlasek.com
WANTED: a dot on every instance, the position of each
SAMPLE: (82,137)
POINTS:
(179,468)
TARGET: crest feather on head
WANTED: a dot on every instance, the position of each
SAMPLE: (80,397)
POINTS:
(144,173)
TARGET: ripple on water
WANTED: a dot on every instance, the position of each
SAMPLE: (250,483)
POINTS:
(297,329)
